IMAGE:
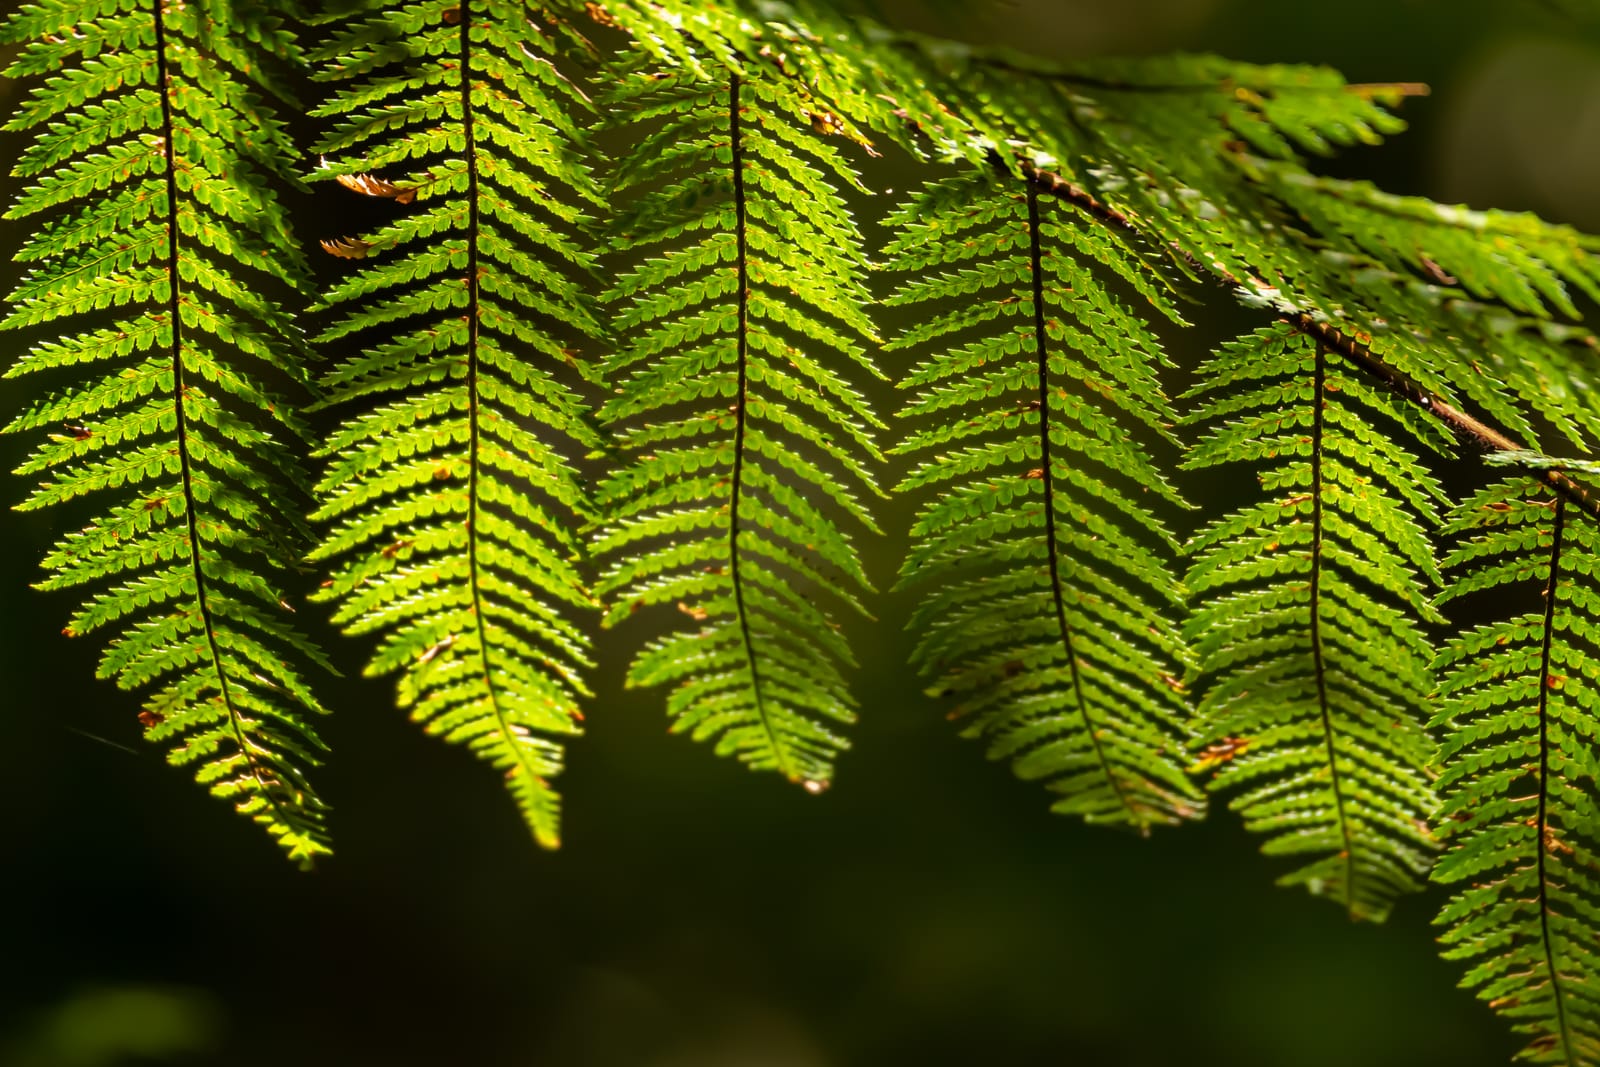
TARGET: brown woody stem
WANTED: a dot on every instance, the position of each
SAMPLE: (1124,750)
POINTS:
(1468,429)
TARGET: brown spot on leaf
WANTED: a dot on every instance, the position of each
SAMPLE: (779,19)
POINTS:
(1220,752)
(1436,272)
(372,185)
(599,14)
(346,247)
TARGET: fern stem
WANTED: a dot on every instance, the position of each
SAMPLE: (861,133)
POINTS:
(469,150)
(269,784)
(1465,427)
(785,767)
(1480,434)
(1544,780)
(1036,254)
(1319,667)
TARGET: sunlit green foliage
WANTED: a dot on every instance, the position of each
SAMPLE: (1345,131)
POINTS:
(1518,777)
(152,169)
(1309,626)
(663,359)
(454,502)
(1044,608)
(741,441)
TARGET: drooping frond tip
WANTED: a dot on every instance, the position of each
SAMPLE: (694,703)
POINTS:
(741,445)
(162,263)
(1309,631)
(451,494)
(1518,772)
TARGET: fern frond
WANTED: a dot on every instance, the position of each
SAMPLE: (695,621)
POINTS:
(1314,664)
(1049,579)
(452,494)
(1518,774)
(742,444)
(158,231)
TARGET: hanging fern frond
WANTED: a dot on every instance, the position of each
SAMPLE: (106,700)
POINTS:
(452,493)
(1313,660)
(1519,779)
(742,444)
(1049,580)
(152,167)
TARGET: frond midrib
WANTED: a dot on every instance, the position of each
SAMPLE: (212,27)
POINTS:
(267,784)
(508,737)
(780,752)
(1558,993)
(1319,666)
(1052,549)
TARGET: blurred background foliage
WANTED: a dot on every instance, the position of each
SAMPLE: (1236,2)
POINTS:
(927,909)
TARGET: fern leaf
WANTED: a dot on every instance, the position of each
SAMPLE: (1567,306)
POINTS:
(153,148)
(1518,775)
(741,444)
(1046,607)
(452,495)
(1314,664)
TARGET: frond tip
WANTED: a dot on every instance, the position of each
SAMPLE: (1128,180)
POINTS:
(451,496)
(169,352)
(741,443)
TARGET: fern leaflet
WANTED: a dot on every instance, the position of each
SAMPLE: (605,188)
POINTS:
(1315,665)
(152,164)
(454,498)
(1047,608)
(743,443)
(1518,780)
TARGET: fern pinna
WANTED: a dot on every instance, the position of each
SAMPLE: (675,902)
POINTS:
(741,445)
(1518,776)
(452,494)
(1049,577)
(1314,662)
(152,174)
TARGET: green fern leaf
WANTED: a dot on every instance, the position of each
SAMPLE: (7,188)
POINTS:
(452,494)
(1314,663)
(154,145)
(1046,608)
(741,444)
(1518,776)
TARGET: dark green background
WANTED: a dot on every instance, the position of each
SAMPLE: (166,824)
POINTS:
(926,910)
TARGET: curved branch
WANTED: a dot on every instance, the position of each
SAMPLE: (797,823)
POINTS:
(1466,428)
